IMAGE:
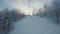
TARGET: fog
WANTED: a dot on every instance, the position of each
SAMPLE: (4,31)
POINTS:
(47,22)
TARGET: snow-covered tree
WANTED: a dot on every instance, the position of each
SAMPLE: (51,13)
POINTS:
(7,19)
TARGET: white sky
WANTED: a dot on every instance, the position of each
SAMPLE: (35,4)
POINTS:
(27,6)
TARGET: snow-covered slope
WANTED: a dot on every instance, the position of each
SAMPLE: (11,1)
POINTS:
(35,25)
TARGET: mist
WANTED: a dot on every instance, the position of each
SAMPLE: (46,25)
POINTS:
(26,6)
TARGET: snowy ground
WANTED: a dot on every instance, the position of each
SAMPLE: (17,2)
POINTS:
(35,25)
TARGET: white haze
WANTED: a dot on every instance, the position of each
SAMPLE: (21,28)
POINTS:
(26,6)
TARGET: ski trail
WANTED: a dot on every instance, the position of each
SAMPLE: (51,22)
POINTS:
(35,25)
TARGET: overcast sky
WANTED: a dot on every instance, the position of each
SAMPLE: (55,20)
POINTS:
(24,5)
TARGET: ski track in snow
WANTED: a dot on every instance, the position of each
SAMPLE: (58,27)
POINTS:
(35,25)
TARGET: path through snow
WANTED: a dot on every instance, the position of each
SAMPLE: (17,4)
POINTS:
(35,25)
